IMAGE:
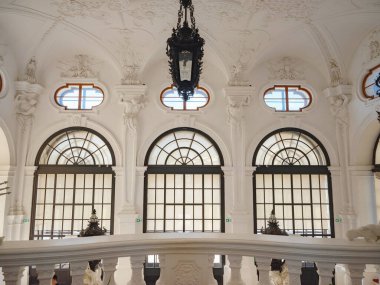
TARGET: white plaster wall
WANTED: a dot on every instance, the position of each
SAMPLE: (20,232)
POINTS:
(155,119)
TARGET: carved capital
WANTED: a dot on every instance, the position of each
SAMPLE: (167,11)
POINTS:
(133,98)
(237,97)
(339,97)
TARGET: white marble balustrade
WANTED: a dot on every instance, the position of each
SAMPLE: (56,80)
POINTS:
(15,255)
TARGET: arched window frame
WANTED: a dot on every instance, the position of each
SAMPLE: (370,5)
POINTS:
(3,84)
(365,84)
(376,155)
(203,89)
(311,170)
(96,172)
(306,90)
(207,169)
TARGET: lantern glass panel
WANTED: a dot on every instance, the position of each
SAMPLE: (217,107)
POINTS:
(185,65)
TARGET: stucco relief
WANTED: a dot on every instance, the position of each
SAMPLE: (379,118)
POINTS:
(374,45)
(286,68)
(295,9)
(187,273)
(81,66)
(30,71)
(94,8)
(335,74)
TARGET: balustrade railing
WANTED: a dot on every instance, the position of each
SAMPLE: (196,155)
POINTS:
(326,253)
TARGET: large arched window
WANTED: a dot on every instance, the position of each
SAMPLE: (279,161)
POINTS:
(292,178)
(74,175)
(184,184)
(376,170)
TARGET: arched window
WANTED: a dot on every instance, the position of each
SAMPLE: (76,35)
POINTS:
(184,188)
(79,96)
(376,170)
(171,99)
(74,175)
(287,98)
(292,178)
(371,83)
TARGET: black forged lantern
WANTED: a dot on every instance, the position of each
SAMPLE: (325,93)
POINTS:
(185,52)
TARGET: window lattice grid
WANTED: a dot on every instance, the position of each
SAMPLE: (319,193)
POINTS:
(170,98)
(287,98)
(64,203)
(184,148)
(79,96)
(184,203)
(76,147)
(301,203)
(289,148)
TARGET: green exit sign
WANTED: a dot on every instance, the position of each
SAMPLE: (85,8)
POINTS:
(338,219)
(138,220)
(228,220)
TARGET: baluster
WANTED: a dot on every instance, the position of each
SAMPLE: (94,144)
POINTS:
(211,280)
(325,272)
(161,280)
(45,273)
(77,270)
(137,264)
(235,265)
(109,267)
(263,266)
(294,269)
(12,274)
(356,273)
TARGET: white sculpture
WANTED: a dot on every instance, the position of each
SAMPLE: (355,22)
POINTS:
(91,277)
(370,233)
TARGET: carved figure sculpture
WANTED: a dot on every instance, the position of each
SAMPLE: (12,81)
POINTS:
(371,233)
(92,276)
(30,71)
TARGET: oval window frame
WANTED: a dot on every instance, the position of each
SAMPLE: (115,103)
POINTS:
(299,87)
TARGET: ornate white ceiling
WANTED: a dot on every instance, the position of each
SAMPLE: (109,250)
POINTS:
(242,34)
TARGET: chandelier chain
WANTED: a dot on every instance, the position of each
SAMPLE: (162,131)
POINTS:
(180,15)
(192,17)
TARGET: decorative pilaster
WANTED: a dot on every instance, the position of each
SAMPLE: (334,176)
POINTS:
(137,265)
(45,273)
(237,98)
(109,267)
(12,274)
(263,267)
(235,265)
(26,100)
(325,272)
(132,97)
(339,97)
(356,273)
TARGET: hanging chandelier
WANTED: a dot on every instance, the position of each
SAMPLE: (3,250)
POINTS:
(185,52)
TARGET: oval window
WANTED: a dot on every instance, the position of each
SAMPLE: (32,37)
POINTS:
(79,96)
(286,98)
(171,99)
(371,83)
